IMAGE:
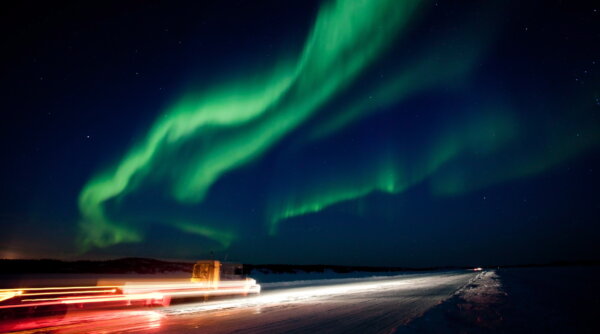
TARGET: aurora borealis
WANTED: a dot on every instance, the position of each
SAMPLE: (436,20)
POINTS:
(339,131)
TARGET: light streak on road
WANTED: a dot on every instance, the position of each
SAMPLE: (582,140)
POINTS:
(63,288)
(147,293)
(283,305)
(290,295)
(68,292)
(9,294)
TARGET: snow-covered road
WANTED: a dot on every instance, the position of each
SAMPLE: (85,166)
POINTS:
(358,305)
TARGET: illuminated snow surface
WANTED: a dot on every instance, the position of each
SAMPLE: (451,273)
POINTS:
(528,300)
(367,305)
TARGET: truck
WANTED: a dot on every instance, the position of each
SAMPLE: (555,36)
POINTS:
(210,278)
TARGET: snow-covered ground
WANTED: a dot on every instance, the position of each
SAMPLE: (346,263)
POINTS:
(265,276)
(342,305)
(472,309)
(524,300)
(519,300)
(272,281)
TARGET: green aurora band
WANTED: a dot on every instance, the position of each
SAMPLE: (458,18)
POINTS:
(206,135)
(388,174)
(249,116)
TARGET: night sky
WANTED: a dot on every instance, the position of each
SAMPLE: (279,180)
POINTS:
(351,132)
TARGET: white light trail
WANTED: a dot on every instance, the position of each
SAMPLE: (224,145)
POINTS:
(289,296)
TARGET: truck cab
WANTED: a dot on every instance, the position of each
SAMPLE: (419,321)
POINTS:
(214,274)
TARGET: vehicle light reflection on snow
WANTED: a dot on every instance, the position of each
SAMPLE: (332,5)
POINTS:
(90,322)
(288,296)
(303,297)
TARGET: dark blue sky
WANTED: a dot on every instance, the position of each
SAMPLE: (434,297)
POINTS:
(382,132)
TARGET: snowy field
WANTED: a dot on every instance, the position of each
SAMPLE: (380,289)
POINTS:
(528,300)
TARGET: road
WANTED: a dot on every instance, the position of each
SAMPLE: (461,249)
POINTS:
(368,305)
